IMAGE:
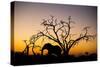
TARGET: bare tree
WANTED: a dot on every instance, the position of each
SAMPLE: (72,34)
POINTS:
(31,43)
(60,32)
(26,50)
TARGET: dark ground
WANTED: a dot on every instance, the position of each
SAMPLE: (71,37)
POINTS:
(21,59)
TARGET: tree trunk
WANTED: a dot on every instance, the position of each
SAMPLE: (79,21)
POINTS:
(33,50)
(66,53)
(27,51)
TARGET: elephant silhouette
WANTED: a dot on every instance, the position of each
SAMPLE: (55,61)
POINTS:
(52,50)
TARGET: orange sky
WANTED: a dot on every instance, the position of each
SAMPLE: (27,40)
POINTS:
(28,17)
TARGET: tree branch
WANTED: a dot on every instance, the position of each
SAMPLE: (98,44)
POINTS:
(48,36)
(49,33)
(69,19)
(78,39)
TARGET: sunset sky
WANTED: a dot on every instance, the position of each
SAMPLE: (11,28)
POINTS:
(28,17)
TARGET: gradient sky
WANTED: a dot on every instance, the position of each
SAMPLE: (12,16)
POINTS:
(28,17)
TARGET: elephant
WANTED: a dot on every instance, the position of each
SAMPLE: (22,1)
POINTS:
(52,50)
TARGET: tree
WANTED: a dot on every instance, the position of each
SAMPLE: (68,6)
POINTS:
(26,50)
(32,41)
(60,32)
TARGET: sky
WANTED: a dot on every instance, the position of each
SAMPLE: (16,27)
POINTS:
(28,17)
